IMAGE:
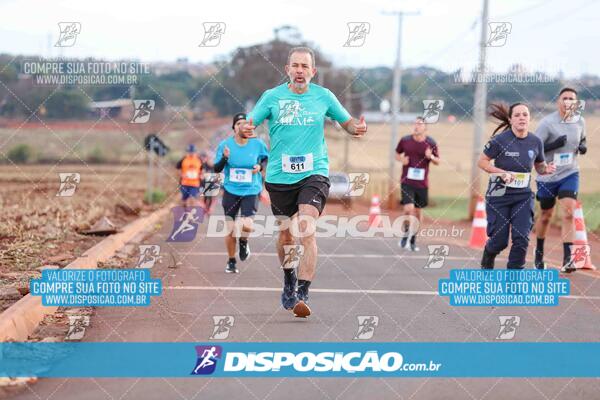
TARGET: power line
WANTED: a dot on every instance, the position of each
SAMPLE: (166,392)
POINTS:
(559,17)
(453,42)
(526,9)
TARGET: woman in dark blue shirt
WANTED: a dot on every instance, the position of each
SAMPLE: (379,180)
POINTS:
(509,199)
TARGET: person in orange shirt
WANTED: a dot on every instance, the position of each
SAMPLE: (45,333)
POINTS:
(191,172)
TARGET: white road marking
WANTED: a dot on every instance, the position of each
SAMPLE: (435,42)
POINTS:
(344,291)
(407,256)
(410,257)
(277,289)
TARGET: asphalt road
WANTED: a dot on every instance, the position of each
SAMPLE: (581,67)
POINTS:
(355,277)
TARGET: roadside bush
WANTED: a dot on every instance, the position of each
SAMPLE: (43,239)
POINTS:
(96,156)
(20,154)
(155,196)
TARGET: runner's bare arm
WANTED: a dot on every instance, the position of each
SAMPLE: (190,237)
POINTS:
(263,164)
(354,127)
(544,168)
(248,129)
(432,157)
(485,163)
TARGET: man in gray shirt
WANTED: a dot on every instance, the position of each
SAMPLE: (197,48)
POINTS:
(563,135)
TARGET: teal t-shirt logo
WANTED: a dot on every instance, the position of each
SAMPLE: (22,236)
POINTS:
(291,112)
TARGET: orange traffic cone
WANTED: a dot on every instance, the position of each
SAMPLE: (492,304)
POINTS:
(375,212)
(581,249)
(478,231)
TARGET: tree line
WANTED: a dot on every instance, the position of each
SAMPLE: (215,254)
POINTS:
(235,81)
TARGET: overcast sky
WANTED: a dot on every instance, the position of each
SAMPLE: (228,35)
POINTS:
(546,35)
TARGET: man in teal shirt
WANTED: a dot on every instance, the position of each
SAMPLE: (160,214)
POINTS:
(241,160)
(298,171)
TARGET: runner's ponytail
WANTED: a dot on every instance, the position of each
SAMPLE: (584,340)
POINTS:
(503,114)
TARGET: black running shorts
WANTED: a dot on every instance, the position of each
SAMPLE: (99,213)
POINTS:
(245,205)
(285,198)
(413,195)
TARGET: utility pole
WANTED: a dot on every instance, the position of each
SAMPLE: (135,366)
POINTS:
(479,108)
(396,87)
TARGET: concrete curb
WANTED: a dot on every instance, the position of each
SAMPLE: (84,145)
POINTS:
(20,320)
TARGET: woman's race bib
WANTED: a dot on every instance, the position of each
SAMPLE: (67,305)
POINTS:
(521,180)
(563,159)
(297,164)
(240,175)
(416,174)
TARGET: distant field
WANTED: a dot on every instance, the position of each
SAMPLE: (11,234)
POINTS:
(455,142)
(112,142)
(449,182)
(37,224)
(121,143)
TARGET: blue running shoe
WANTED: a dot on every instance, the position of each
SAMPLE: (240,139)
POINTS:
(288,297)
(301,309)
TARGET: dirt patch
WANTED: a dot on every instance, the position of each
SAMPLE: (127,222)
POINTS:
(39,228)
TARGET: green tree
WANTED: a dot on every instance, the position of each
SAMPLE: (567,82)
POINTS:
(20,154)
(67,104)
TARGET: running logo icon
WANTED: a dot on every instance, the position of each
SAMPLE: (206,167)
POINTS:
(292,255)
(357,183)
(212,34)
(499,32)
(357,33)
(68,34)
(223,324)
(574,110)
(77,325)
(437,255)
(68,183)
(207,359)
(141,111)
(289,111)
(508,326)
(366,327)
(212,183)
(149,255)
(185,223)
(431,110)
(497,187)
(580,254)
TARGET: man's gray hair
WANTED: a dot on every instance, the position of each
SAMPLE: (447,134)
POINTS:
(302,49)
